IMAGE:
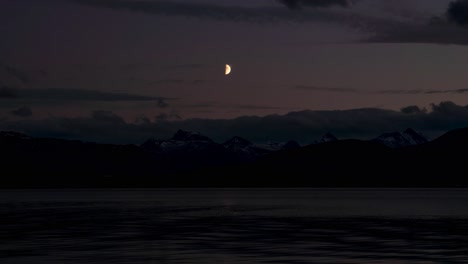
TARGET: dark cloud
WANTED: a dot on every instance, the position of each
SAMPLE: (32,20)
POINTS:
(107,117)
(22,112)
(304,126)
(172,116)
(237,106)
(435,29)
(415,91)
(413,109)
(142,120)
(449,108)
(326,89)
(422,33)
(144,66)
(457,12)
(258,107)
(401,91)
(7,92)
(203,105)
(18,74)
(223,12)
(393,91)
(66,95)
(217,12)
(162,103)
(178,81)
(294,4)
(374,28)
(459,91)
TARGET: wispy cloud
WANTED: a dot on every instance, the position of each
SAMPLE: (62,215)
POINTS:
(448,91)
(456,91)
(295,4)
(75,95)
(178,81)
(326,89)
(260,107)
(171,116)
(207,105)
(22,112)
(18,74)
(443,33)
(202,105)
(392,91)
(140,66)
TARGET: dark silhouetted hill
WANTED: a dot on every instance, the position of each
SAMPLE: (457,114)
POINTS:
(193,160)
(291,144)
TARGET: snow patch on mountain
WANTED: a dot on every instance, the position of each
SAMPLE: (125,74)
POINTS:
(409,137)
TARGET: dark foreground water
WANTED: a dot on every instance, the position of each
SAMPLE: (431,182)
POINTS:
(234,226)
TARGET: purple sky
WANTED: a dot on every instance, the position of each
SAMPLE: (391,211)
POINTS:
(372,53)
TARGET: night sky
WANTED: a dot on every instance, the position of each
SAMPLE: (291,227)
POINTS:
(123,70)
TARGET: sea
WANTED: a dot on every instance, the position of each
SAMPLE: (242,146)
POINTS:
(227,226)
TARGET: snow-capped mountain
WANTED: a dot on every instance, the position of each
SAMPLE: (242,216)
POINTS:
(186,143)
(409,137)
(182,141)
(237,143)
(291,144)
(11,135)
(242,148)
(328,137)
(250,151)
(415,137)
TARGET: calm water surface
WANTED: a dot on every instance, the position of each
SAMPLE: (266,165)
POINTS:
(234,226)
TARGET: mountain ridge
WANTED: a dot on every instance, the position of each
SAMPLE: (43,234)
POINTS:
(193,160)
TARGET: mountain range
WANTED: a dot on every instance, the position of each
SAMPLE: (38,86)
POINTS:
(188,159)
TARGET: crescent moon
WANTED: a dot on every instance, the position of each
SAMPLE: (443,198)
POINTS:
(228,69)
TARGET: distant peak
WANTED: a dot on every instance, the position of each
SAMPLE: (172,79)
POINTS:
(411,131)
(183,135)
(328,137)
(409,137)
(238,141)
(415,137)
(13,134)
